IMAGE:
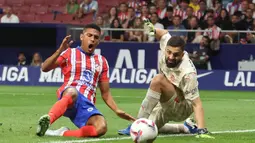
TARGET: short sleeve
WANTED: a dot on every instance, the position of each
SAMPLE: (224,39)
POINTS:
(163,41)
(63,56)
(104,77)
(190,86)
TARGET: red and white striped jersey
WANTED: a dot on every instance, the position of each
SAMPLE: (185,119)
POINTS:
(83,71)
(180,13)
(122,16)
(136,4)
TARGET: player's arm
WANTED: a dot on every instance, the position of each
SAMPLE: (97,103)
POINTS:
(159,33)
(199,112)
(108,99)
(106,94)
(52,62)
(191,92)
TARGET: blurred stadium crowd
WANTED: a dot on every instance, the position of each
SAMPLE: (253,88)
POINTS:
(209,22)
(211,15)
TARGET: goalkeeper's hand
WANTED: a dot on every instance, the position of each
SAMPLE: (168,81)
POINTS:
(203,133)
(148,27)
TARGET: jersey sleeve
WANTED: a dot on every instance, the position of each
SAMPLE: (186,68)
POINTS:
(190,86)
(63,56)
(163,41)
(104,77)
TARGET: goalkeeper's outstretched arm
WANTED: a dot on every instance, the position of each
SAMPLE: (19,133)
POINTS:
(159,33)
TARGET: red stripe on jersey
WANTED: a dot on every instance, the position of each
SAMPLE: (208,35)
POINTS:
(96,75)
(83,87)
(105,70)
(78,66)
(97,67)
(65,69)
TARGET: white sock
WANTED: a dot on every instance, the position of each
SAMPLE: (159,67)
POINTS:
(173,129)
(148,104)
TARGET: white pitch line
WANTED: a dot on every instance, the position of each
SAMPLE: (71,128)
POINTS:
(36,94)
(160,136)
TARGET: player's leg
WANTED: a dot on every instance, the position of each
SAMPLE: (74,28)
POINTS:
(88,119)
(160,90)
(95,127)
(69,96)
(188,127)
(169,108)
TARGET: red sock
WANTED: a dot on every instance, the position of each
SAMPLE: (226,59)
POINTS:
(85,131)
(59,108)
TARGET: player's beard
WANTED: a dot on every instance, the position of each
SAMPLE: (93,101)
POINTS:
(173,63)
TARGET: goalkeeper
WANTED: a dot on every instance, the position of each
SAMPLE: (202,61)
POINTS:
(173,94)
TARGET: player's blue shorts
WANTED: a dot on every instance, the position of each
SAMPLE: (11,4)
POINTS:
(82,110)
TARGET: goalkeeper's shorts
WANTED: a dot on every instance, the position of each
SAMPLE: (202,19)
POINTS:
(171,111)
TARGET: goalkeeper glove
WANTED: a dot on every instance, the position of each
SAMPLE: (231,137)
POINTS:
(148,27)
(203,133)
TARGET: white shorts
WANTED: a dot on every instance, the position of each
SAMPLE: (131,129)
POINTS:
(171,111)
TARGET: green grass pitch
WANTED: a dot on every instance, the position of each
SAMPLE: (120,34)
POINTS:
(21,107)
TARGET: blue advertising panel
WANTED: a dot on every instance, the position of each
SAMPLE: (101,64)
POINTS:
(129,78)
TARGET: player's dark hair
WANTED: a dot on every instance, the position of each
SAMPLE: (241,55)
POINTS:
(176,41)
(93,26)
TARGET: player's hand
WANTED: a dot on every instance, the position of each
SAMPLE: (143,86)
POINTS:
(148,27)
(65,43)
(204,133)
(124,115)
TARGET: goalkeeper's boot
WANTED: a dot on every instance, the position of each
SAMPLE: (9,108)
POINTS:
(191,125)
(125,131)
(58,132)
(43,125)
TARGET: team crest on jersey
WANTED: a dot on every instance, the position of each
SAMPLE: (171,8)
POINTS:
(87,75)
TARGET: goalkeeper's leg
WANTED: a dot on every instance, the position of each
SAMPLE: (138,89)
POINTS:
(161,90)
(189,127)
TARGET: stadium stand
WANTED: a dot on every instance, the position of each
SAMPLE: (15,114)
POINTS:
(51,11)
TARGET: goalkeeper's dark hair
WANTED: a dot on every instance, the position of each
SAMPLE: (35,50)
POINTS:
(93,26)
(176,41)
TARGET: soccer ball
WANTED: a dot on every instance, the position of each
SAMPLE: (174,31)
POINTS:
(143,131)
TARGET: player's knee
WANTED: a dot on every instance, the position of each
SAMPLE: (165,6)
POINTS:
(70,91)
(157,80)
(101,129)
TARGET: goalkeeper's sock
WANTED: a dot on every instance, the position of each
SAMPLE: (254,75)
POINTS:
(173,129)
(149,102)
(59,108)
(85,131)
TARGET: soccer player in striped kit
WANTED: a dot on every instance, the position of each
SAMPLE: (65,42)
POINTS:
(83,72)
